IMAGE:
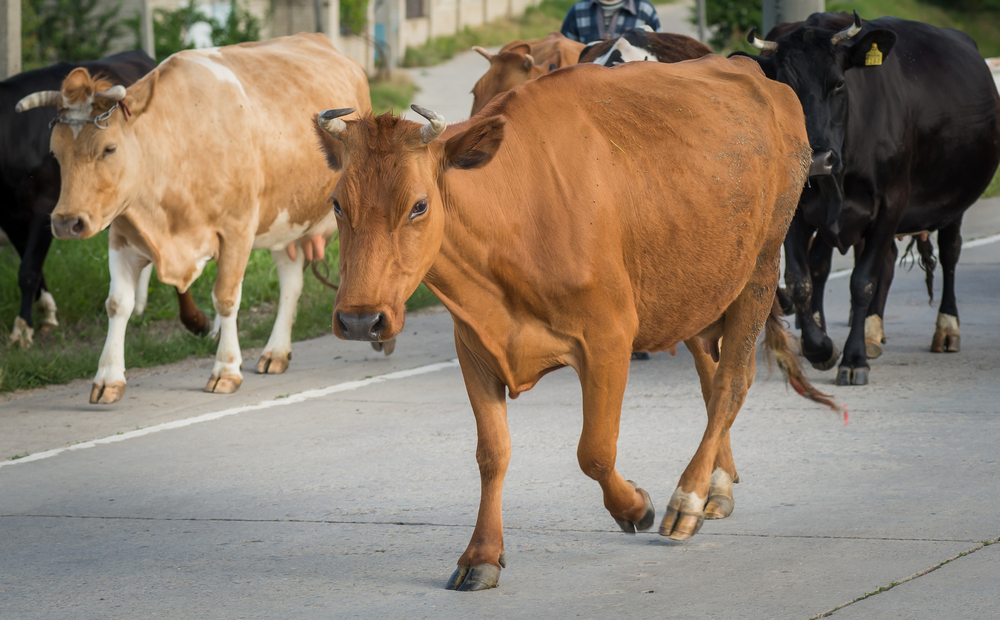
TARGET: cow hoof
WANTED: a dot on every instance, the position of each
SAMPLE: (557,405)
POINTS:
(873,349)
(22,335)
(852,376)
(643,524)
(685,516)
(946,343)
(226,384)
(830,363)
(107,393)
(478,577)
(640,355)
(389,346)
(719,507)
(273,364)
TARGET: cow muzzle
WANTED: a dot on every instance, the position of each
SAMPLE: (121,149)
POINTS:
(822,164)
(364,326)
(68,227)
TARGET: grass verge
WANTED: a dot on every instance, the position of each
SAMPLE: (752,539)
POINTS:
(394,94)
(536,22)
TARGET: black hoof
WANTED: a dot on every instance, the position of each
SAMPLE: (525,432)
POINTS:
(640,355)
(852,376)
(953,344)
(479,577)
(829,363)
(645,522)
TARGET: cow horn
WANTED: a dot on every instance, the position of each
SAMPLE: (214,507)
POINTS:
(485,54)
(848,32)
(768,46)
(115,93)
(38,100)
(529,62)
(330,121)
(437,126)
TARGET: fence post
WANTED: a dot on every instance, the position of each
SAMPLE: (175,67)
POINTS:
(148,40)
(779,11)
(10,30)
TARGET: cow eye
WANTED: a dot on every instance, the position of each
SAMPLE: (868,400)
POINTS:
(109,149)
(839,88)
(336,208)
(418,209)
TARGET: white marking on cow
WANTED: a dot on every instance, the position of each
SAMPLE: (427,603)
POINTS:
(947,323)
(206,58)
(301,397)
(290,287)
(228,358)
(873,329)
(687,503)
(48,305)
(79,111)
(280,233)
(629,53)
(124,266)
(22,334)
(721,483)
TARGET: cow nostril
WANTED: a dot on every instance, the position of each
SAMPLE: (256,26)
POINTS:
(343,326)
(77,226)
(377,326)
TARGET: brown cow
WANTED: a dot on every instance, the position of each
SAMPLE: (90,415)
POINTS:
(582,216)
(520,61)
(209,156)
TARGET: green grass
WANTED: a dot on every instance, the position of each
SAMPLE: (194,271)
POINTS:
(394,94)
(536,22)
(994,188)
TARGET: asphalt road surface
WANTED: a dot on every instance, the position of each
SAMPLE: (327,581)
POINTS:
(348,487)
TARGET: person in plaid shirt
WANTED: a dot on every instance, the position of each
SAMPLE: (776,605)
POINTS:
(596,20)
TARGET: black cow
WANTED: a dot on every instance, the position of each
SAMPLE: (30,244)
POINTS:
(904,121)
(30,181)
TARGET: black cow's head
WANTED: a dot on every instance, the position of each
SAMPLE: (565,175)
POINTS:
(814,58)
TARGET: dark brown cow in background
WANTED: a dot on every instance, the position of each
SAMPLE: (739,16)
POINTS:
(565,226)
(641,44)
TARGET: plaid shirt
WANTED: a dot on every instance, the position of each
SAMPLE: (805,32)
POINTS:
(585,22)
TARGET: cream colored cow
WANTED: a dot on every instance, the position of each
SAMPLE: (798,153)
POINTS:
(211,155)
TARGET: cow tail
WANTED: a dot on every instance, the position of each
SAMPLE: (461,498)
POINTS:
(779,345)
(925,249)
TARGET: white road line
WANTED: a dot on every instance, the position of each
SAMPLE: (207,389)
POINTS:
(207,417)
(975,243)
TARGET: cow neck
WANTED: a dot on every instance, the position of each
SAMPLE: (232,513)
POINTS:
(477,237)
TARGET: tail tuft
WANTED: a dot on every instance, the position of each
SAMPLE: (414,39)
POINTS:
(778,344)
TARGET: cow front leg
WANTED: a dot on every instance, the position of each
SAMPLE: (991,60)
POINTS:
(864,282)
(946,335)
(226,294)
(603,375)
(720,489)
(278,350)
(817,347)
(109,383)
(479,566)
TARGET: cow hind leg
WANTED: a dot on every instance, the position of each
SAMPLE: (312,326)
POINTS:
(142,290)
(278,350)
(109,383)
(947,338)
(744,319)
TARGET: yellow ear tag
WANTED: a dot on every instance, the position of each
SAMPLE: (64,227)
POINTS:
(874,57)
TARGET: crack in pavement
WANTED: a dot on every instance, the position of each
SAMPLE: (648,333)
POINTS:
(506,527)
(881,589)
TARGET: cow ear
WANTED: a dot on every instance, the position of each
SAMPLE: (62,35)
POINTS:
(331,147)
(474,147)
(766,63)
(523,49)
(141,93)
(870,49)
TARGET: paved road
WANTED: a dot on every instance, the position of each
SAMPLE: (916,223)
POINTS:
(357,500)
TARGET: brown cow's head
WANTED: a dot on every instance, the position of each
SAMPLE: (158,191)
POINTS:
(508,69)
(96,149)
(390,210)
